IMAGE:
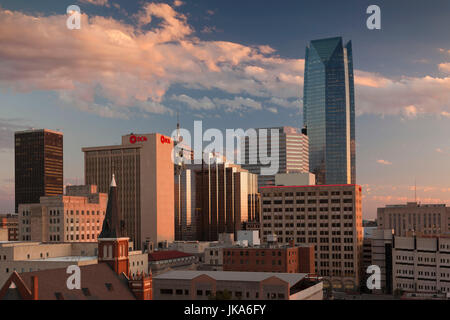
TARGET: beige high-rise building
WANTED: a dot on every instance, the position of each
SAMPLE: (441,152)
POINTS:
(292,147)
(425,219)
(143,169)
(76,216)
(326,216)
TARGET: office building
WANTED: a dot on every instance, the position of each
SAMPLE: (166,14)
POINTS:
(38,165)
(421,265)
(292,152)
(326,216)
(427,219)
(217,198)
(76,216)
(205,285)
(329,111)
(144,170)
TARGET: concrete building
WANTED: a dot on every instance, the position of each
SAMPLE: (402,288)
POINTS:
(428,219)
(293,151)
(270,258)
(326,216)
(144,170)
(203,285)
(38,165)
(421,265)
(34,256)
(74,217)
(9,227)
(219,197)
(295,179)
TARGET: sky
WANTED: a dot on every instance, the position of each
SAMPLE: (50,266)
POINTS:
(134,65)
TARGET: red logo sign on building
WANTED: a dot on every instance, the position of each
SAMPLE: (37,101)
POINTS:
(134,139)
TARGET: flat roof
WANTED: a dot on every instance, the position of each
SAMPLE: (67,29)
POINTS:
(314,185)
(291,278)
(66,259)
(38,130)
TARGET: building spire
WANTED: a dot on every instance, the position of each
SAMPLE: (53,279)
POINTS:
(111,223)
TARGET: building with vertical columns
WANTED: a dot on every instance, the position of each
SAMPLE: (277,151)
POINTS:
(38,165)
(215,198)
(326,216)
(428,219)
(143,169)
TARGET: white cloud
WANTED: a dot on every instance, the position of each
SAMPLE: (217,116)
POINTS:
(384,162)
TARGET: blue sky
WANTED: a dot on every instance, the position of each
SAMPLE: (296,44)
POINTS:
(231,64)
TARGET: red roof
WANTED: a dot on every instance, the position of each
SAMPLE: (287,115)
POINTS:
(167,255)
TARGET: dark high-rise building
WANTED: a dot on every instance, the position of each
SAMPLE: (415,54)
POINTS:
(329,111)
(38,165)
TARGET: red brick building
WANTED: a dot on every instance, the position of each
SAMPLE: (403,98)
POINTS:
(10,222)
(284,259)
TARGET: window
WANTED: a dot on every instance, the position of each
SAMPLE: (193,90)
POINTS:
(166,291)
(109,286)
(86,292)
(59,296)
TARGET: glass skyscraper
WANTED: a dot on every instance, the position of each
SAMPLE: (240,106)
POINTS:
(329,111)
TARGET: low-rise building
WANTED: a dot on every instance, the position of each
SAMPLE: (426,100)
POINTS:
(9,227)
(421,265)
(270,258)
(204,285)
(162,261)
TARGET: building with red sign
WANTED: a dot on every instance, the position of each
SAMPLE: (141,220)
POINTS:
(143,169)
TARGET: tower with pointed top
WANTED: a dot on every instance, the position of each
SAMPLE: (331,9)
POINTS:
(329,111)
(112,245)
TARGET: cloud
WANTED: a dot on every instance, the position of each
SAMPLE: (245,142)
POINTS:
(384,162)
(178,3)
(96,2)
(273,110)
(445,67)
(110,67)
(7,129)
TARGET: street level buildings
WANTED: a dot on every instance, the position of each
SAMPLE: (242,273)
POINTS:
(144,170)
(329,217)
(204,285)
(38,165)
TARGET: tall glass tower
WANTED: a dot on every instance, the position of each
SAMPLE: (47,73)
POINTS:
(329,111)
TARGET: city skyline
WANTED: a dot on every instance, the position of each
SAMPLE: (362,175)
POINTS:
(252,76)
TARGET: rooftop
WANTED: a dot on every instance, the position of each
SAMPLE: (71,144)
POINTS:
(291,278)
(167,255)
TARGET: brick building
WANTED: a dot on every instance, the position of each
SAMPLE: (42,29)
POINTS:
(285,259)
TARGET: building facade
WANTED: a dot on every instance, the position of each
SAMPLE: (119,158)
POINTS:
(38,165)
(422,264)
(329,217)
(74,217)
(292,149)
(204,285)
(143,169)
(329,111)
(428,219)
(10,224)
(217,198)
(284,259)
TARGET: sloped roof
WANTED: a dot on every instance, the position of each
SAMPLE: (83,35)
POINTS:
(167,255)
(98,282)
(291,278)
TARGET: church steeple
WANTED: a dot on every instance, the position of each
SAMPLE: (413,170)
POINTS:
(111,223)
